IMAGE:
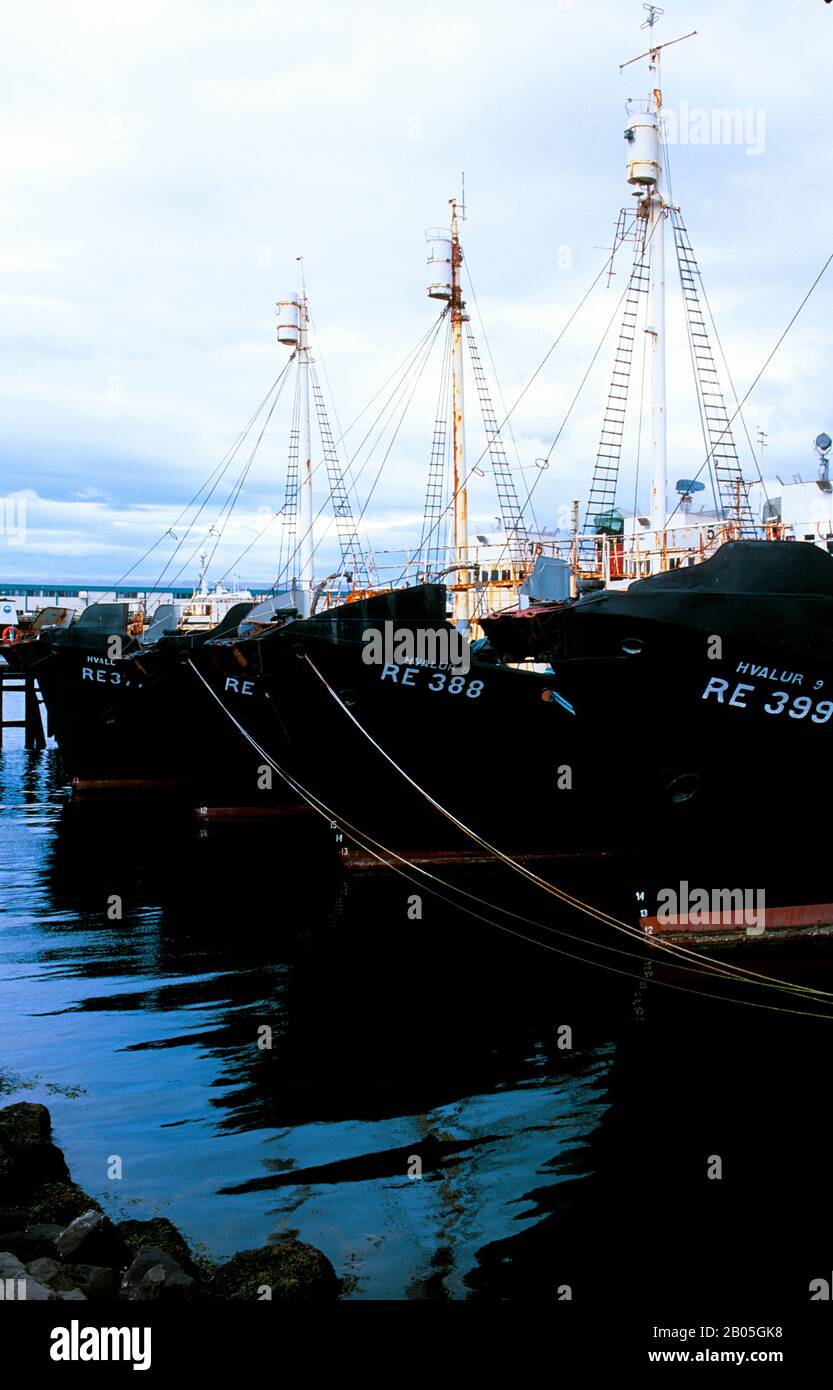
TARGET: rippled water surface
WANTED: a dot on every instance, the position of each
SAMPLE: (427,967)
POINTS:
(392,1040)
(389,1038)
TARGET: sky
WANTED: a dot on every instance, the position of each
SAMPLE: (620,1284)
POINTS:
(165,164)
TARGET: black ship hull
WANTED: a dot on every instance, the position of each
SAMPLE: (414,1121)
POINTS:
(689,714)
(139,720)
(645,735)
(694,700)
(646,727)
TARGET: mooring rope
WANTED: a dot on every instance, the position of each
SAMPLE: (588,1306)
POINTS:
(384,855)
(527,873)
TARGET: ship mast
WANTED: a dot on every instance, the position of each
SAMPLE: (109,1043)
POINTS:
(458,435)
(656,319)
(305,513)
(293,332)
(445,261)
(645,173)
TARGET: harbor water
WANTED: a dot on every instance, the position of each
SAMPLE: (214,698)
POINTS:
(448,1101)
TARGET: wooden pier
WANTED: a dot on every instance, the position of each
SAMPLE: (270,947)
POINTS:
(32,722)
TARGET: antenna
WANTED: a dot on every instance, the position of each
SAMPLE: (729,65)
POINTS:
(654,13)
(651,52)
(823,446)
(463,195)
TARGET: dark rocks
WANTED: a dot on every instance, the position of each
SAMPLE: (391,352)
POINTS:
(92,1239)
(23,1283)
(290,1271)
(6,1170)
(12,1219)
(61,1202)
(155,1275)
(28,1158)
(54,1275)
(33,1243)
(24,1123)
(97,1284)
(11,1267)
(161,1233)
(57,1239)
(93,1282)
(26,1286)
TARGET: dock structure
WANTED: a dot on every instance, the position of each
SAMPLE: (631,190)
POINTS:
(11,682)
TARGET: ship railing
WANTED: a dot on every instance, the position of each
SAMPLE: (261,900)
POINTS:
(628,558)
(818,532)
(495,575)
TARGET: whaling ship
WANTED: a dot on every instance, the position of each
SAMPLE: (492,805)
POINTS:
(682,708)
(665,676)
(120,702)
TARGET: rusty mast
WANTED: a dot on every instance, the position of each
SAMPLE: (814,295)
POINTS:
(458,431)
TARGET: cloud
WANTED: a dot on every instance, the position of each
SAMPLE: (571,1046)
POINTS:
(165,165)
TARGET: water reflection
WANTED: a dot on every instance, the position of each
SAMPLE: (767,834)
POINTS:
(391,1040)
(395,1040)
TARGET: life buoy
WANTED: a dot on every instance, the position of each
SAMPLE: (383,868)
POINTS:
(539,549)
(9,634)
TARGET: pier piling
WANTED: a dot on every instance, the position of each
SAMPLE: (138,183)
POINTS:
(32,722)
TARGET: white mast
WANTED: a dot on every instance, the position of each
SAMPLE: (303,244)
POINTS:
(645,171)
(305,513)
(656,324)
(293,331)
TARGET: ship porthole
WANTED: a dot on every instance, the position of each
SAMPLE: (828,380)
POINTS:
(632,646)
(682,787)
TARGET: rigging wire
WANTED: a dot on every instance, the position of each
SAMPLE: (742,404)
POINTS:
(215,477)
(346,470)
(608,262)
(499,390)
(723,357)
(417,378)
(231,501)
(704,425)
(390,406)
(400,372)
(570,320)
(276,391)
(402,367)
(730,379)
(319,464)
(222,465)
(289,510)
(437,465)
(584,379)
(763,368)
